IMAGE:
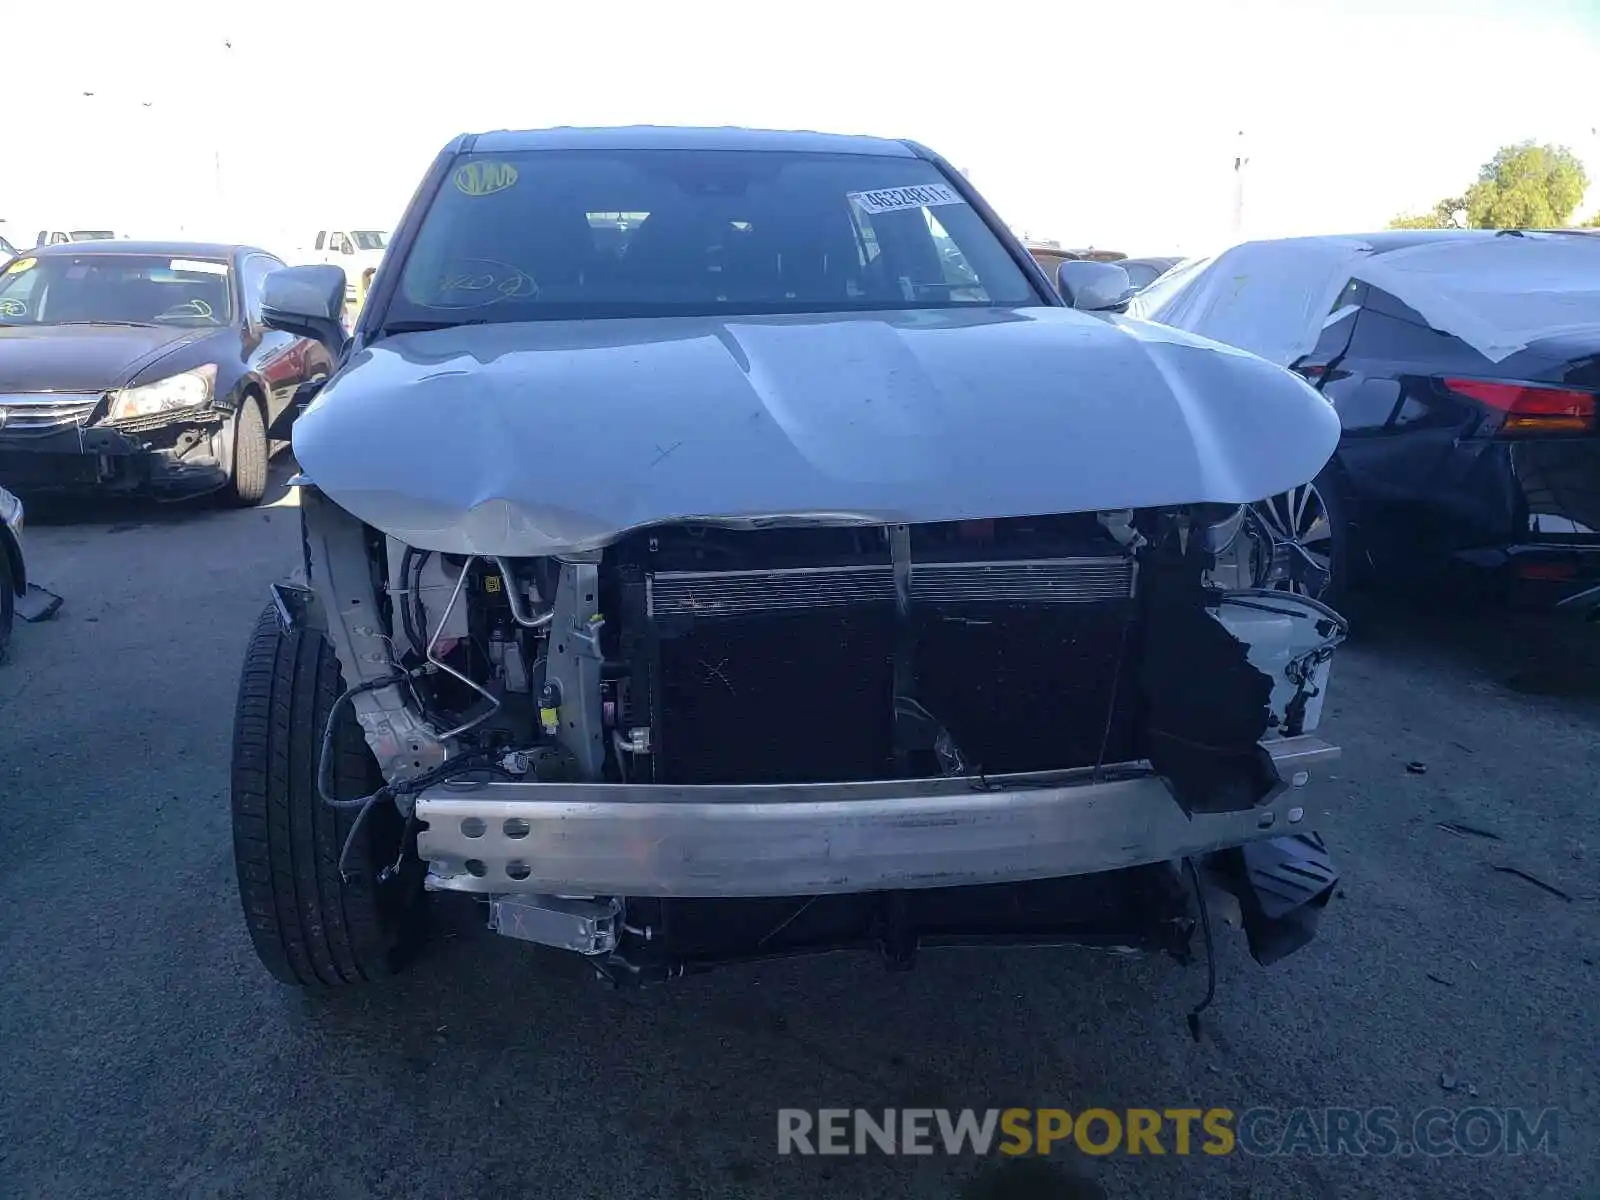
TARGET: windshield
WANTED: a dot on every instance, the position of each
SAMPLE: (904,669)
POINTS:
(637,233)
(370,239)
(136,289)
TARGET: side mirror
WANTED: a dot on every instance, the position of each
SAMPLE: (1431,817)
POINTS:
(1092,286)
(307,302)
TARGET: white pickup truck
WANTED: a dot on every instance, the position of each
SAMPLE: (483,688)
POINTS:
(357,251)
(60,237)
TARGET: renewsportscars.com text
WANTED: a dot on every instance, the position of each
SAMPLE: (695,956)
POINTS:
(1263,1132)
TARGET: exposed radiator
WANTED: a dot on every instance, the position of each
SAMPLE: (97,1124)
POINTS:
(789,696)
(1027,581)
(788,674)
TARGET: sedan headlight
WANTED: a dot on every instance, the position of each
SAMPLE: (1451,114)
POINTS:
(187,390)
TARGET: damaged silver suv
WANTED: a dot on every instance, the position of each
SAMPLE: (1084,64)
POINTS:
(723,544)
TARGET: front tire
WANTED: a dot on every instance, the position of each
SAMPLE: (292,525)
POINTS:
(247,480)
(309,926)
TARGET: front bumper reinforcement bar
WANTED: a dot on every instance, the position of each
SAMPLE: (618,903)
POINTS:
(663,840)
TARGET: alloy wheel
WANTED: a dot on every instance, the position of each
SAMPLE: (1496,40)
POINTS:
(1298,524)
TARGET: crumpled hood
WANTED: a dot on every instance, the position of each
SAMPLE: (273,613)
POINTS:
(531,438)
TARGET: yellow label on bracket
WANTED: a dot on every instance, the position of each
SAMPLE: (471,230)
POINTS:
(491,583)
(484,178)
(22,264)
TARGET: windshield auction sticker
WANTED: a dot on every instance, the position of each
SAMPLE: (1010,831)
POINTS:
(484,178)
(924,195)
(198,266)
(22,264)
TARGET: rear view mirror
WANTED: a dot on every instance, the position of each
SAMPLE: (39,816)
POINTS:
(307,302)
(1093,286)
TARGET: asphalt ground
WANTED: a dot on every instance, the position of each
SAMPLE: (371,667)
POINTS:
(143,1052)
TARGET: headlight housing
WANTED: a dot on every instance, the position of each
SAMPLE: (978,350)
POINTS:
(1241,550)
(1218,524)
(186,390)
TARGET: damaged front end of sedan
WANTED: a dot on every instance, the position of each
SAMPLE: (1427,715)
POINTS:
(716,741)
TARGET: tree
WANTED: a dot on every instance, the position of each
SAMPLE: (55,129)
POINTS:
(1525,186)
(1443,215)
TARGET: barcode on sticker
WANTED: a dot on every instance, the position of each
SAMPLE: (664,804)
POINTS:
(923,195)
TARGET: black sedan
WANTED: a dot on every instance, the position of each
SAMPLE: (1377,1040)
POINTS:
(143,367)
(1465,368)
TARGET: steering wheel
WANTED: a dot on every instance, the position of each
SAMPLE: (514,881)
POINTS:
(189,308)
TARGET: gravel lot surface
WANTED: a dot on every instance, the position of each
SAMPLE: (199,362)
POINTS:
(146,1054)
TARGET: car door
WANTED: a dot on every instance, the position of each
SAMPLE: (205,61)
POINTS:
(281,360)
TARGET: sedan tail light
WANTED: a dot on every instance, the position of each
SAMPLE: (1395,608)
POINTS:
(1526,408)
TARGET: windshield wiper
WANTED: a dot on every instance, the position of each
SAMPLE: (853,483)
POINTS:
(132,324)
(428,326)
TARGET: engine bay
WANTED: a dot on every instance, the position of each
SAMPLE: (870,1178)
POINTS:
(626,751)
(700,654)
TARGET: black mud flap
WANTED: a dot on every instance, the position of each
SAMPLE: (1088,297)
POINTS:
(1282,885)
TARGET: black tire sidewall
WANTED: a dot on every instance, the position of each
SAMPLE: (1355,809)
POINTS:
(249,457)
(310,926)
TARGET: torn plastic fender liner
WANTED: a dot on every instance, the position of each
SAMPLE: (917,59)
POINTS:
(339,570)
(1220,672)
(1290,639)
(1206,706)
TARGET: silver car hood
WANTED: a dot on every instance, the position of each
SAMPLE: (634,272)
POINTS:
(533,438)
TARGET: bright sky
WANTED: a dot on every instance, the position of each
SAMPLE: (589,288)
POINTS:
(1113,125)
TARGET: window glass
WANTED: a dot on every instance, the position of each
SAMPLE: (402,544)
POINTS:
(252,277)
(1141,275)
(627,233)
(118,289)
